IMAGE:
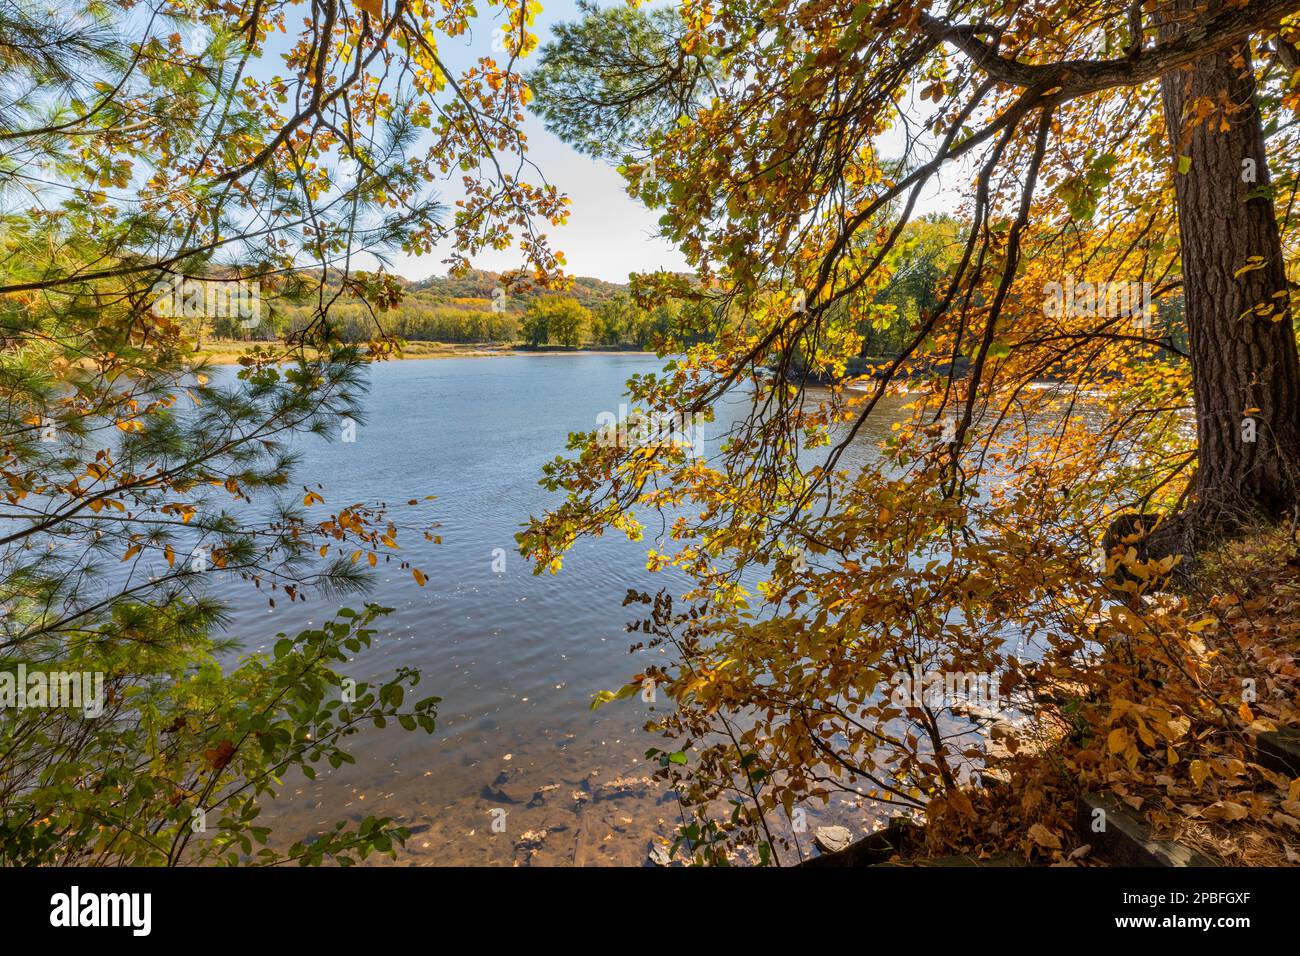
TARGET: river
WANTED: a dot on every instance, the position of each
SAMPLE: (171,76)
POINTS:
(515,657)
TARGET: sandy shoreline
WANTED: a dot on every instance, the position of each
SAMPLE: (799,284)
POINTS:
(221,355)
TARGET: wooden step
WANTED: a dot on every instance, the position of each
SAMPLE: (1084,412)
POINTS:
(1126,840)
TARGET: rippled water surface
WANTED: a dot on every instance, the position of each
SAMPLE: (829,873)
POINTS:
(515,657)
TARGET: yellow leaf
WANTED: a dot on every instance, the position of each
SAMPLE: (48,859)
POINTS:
(419,576)
(1253,263)
(1117,742)
(1199,770)
(1132,756)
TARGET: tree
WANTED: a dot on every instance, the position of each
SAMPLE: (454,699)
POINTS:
(536,328)
(152,182)
(1103,289)
(613,320)
(1196,69)
(1243,345)
(555,318)
(569,322)
(926,251)
(1243,356)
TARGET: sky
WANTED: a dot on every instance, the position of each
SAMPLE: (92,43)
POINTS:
(608,234)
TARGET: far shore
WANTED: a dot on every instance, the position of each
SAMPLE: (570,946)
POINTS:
(229,353)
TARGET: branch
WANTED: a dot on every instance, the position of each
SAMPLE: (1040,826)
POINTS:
(1069,79)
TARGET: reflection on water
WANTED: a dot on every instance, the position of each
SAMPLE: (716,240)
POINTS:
(515,657)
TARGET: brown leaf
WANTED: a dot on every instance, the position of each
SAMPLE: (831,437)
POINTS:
(1044,837)
(218,756)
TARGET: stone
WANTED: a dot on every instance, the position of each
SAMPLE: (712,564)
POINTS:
(871,850)
(617,788)
(531,838)
(508,787)
(539,797)
(832,839)
(659,855)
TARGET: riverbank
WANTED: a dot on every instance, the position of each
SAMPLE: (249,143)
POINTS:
(1177,745)
(230,352)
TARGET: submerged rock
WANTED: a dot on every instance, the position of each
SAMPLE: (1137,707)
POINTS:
(539,796)
(511,786)
(507,788)
(617,788)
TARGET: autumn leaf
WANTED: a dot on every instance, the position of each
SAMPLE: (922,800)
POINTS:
(1199,770)
(1044,837)
(219,756)
(1232,811)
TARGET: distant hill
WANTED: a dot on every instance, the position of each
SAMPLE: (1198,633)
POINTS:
(461,309)
(478,284)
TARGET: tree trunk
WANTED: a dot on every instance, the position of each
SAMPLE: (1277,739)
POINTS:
(1245,372)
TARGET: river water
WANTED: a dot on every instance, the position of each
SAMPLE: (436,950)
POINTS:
(515,657)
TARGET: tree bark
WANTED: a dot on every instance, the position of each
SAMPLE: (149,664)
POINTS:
(1244,364)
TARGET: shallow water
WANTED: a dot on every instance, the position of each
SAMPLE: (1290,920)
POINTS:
(515,657)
